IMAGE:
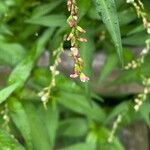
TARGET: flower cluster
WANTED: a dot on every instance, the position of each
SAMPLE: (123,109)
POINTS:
(139,61)
(6,118)
(141,13)
(74,37)
(142,96)
(114,128)
(46,92)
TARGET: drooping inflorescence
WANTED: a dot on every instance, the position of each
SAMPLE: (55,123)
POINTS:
(140,60)
(114,128)
(139,7)
(140,98)
(75,38)
(6,118)
(45,94)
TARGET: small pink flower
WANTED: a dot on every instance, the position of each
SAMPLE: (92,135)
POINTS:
(145,22)
(75,51)
(84,78)
(74,75)
(82,39)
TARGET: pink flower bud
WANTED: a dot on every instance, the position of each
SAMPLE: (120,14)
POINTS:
(75,51)
(145,23)
(75,17)
(69,3)
(72,22)
(82,39)
(74,75)
(84,78)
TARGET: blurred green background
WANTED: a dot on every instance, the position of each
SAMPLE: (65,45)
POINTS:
(79,115)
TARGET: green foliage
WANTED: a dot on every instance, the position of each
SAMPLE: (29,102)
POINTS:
(78,115)
(20,119)
(108,12)
(7,142)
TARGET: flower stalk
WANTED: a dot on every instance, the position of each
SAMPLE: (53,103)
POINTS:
(139,7)
(45,94)
(139,100)
(74,37)
(114,128)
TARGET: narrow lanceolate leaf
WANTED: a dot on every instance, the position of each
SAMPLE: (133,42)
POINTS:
(109,65)
(49,20)
(145,112)
(20,119)
(6,92)
(8,143)
(38,130)
(108,12)
(22,71)
(11,53)
(68,127)
(46,8)
(83,146)
(79,104)
(50,118)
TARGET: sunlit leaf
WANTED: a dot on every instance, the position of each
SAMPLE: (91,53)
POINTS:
(20,119)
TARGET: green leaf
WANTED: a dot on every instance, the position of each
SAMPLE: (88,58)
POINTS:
(136,29)
(119,3)
(6,92)
(45,8)
(87,53)
(140,37)
(103,135)
(145,112)
(109,65)
(51,119)
(4,29)
(3,8)
(80,146)
(84,6)
(49,20)
(68,127)
(127,77)
(20,119)
(79,104)
(126,16)
(8,143)
(107,9)
(119,109)
(38,129)
(99,136)
(11,53)
(23,69)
